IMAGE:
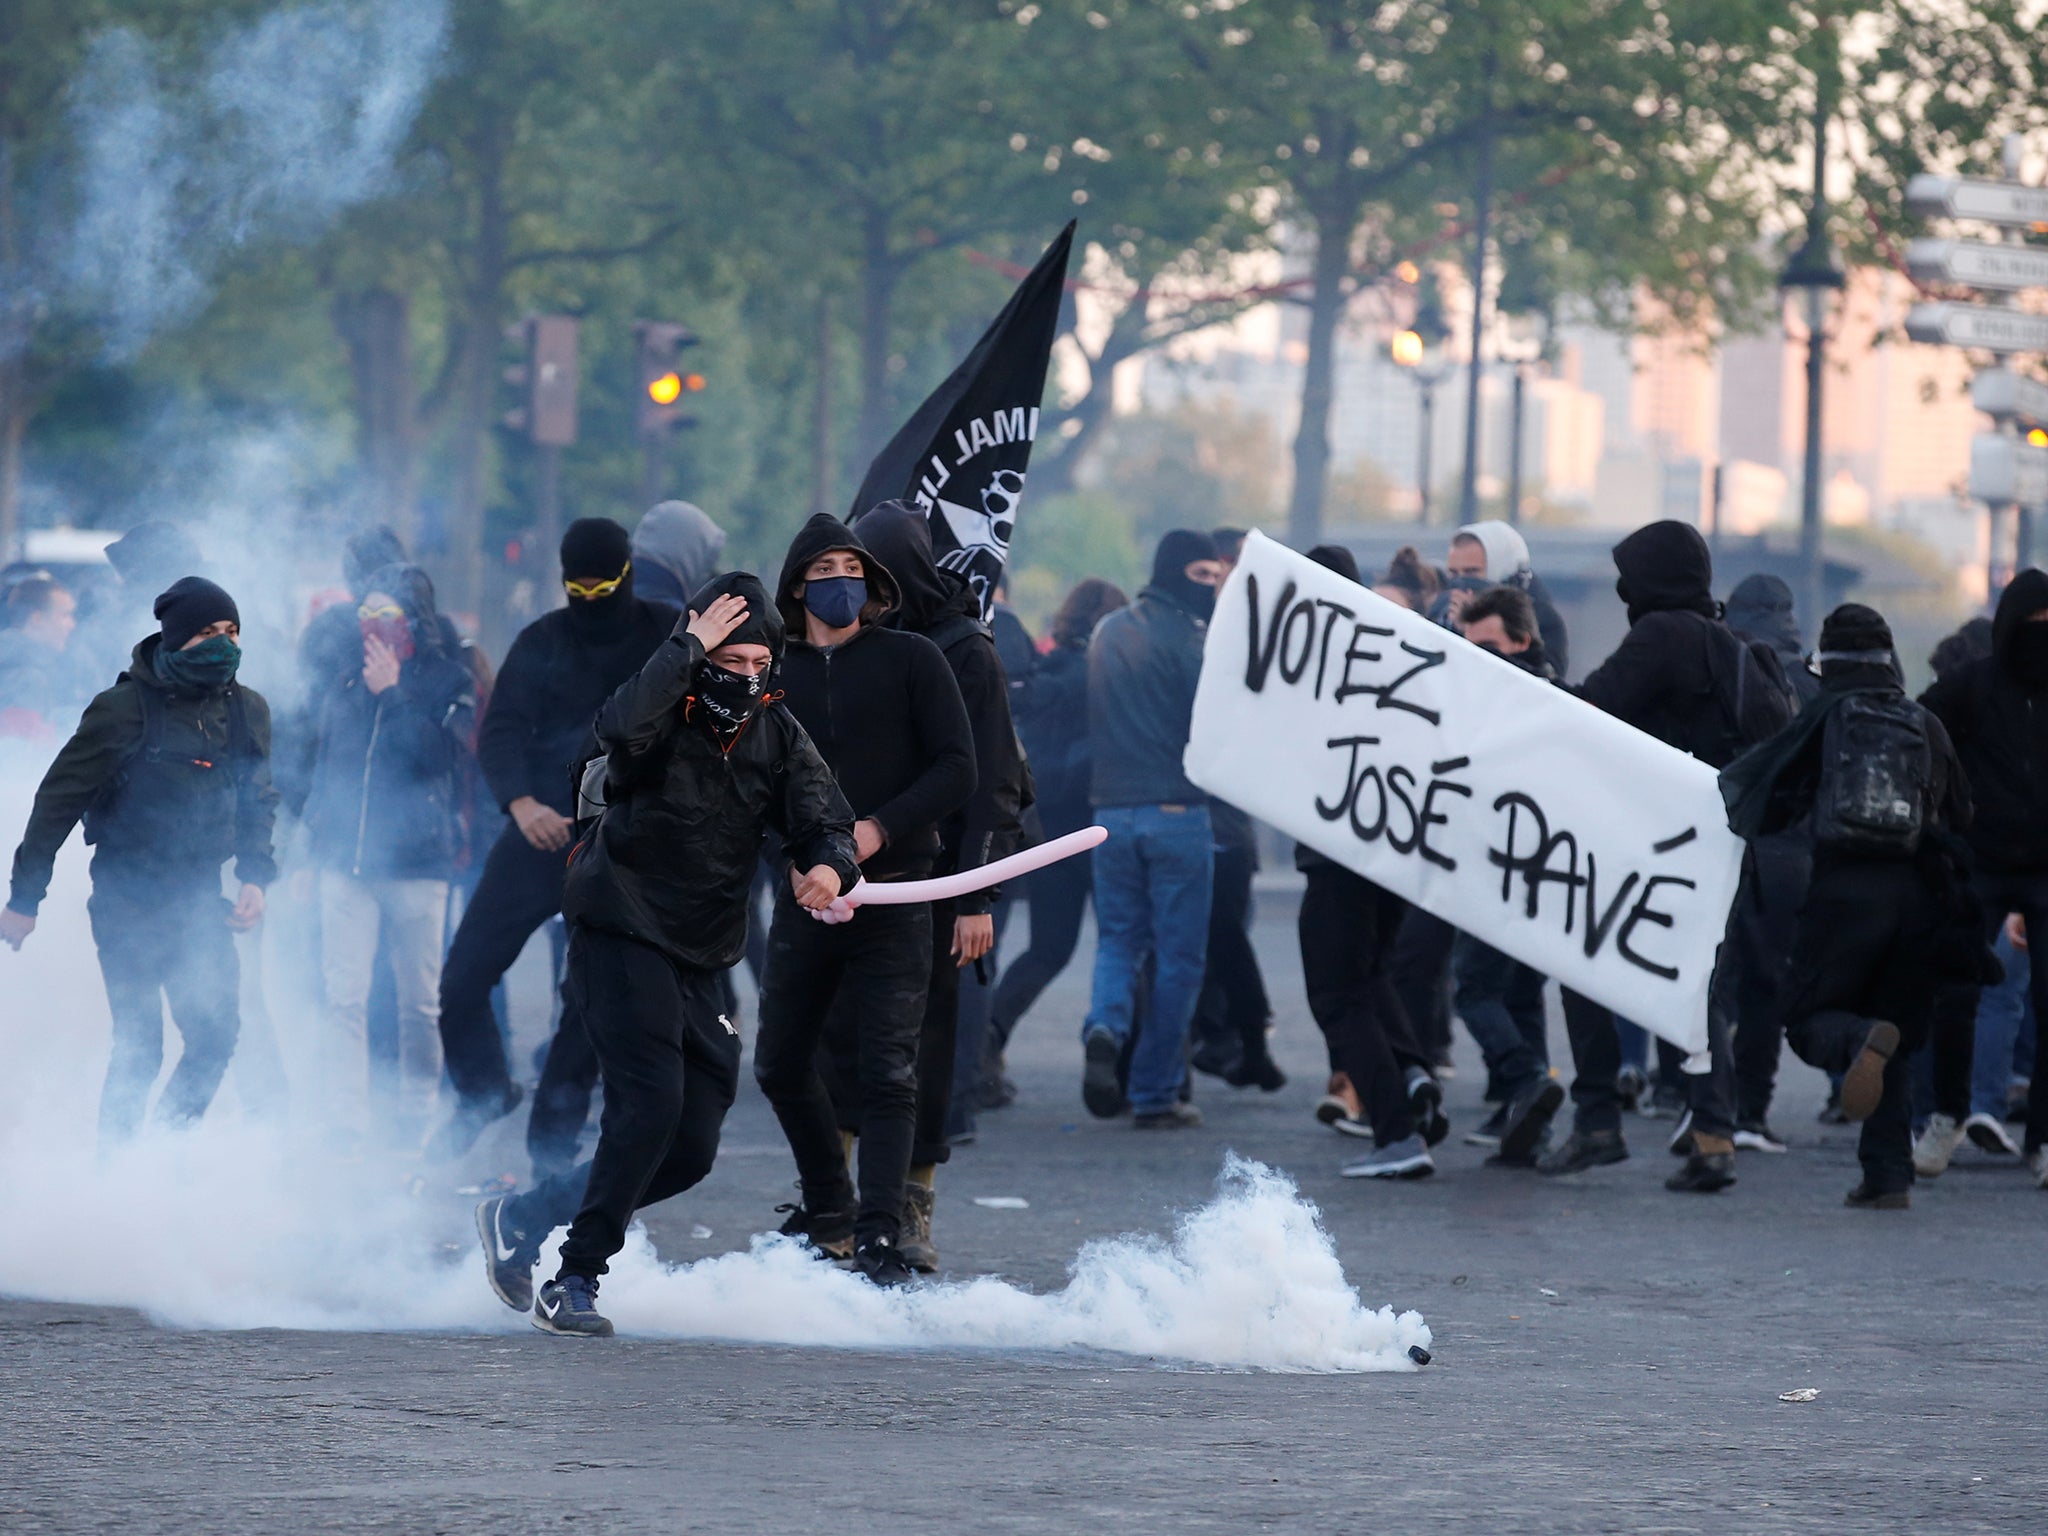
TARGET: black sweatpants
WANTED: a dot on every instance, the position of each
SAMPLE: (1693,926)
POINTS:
(520,889)
(1058,895)
(971,1038)
(1421,969)
(1347,928)
(670,1061)
(164,937)
(1234,1003)
(568,1078)
(1596,1061)
(879,965)
(1760,930)
(1999,894)
(1864,950)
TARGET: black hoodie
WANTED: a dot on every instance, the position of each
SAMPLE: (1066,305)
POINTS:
(1996,711)
(1761,609)
(882,707)
(1679,671)
(672,859)
(942,607)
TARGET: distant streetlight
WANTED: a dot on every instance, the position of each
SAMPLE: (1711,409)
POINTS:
(1419,349)
(1815,270)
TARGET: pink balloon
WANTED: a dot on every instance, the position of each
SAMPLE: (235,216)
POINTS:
(903,893)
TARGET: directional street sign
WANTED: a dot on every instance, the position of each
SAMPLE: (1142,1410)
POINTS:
(2004,469)
(1990,202)
(2006,268)
(2004,394)
(1968,325)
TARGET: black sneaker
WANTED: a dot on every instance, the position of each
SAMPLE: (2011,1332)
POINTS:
(883,1263)
(1426,1102)
(1865,1198)
(1100,1090)
(567,1305)
(1525,1119)
(471,1119)
(1261,1073)
(509,1254)
(829,1233)
(1488,1132)
(1704,1173)
(1582,1150)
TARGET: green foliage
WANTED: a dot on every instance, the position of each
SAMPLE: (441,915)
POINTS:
(1065,539)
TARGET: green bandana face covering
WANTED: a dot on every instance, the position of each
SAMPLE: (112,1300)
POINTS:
(209,664)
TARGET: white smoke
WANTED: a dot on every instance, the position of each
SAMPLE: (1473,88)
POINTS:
(287,123)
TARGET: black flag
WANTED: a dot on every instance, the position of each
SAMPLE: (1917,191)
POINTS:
(963,454)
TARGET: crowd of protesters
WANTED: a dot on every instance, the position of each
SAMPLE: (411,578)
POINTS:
(671,739)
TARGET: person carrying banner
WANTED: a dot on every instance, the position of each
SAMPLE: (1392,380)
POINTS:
(1152,878)
(1884,791)
(170,771)
(884,711)
(561,668)
(701,763)
(1681,676)
(940,606)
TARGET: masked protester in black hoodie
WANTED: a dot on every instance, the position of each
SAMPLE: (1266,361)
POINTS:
(169,769)
(1682,676)
(701,763)
(942,607)
(886,714)
(1996,712)
(561,668)
(1876,777)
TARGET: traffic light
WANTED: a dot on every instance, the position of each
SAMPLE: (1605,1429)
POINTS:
(664,384)
(544,379)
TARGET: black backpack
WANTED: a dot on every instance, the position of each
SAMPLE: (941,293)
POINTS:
(1876,777)
(1752,698)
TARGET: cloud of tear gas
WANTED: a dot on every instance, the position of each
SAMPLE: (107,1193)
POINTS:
(286,123)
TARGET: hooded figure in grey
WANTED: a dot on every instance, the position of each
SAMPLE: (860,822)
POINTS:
(676,550)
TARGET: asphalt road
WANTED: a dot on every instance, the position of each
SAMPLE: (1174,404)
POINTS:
(1609,1357)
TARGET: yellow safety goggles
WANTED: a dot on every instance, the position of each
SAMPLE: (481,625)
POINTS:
(595,589)
(380,611)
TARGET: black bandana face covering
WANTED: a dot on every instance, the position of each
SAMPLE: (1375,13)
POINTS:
(729,699)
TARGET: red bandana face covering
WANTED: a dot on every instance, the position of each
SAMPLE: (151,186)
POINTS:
(396,633)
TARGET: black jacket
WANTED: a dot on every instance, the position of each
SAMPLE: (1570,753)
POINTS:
(1998,719)
(1679,669)
(1052,722)
(1143,664)
(557,674)
(383,802)
(200,799)
(672,859)
(942,607)
(883,710)
(1760,609)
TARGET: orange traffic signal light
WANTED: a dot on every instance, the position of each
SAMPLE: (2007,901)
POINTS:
(665,389)
(657,345)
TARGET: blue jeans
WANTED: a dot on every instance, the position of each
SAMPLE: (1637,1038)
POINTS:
(1152,883)
(2001,1021)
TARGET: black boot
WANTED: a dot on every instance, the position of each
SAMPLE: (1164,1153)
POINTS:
(1582,1150)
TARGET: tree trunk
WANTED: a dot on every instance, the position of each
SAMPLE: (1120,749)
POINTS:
(14,327)
(476,383)
(1318,380)
(880,273)
(375,326)
(1057,474)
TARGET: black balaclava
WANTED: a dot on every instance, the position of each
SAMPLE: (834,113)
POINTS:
(900,536)
(2018,639)
(1339,559)
(1856,650)
(1665,568)
(189,605)
(367,553)
(728,700)
(1177,551)
(1761,608)
(597,549)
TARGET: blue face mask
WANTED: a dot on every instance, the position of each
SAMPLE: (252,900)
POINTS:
(209,664)
(836,601)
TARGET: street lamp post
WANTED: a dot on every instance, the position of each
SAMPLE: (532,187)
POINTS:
(1815,270)
(1419,349)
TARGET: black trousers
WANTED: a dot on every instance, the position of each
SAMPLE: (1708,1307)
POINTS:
(568,1078)
(158,938)
(973,1033)
(1760,932)
(1347,928)
(1864,950)
(1058,895)
(1999,894)
(520,889)
(1422,970)
(1234,1011)
(1596,1060)
(880,965)
(671,1063)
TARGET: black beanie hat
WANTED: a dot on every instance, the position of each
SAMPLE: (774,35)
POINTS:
(595,547)
(1177,551)
(191,604)
(1854,631)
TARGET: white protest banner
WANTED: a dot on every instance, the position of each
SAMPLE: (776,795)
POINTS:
(1498,802)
